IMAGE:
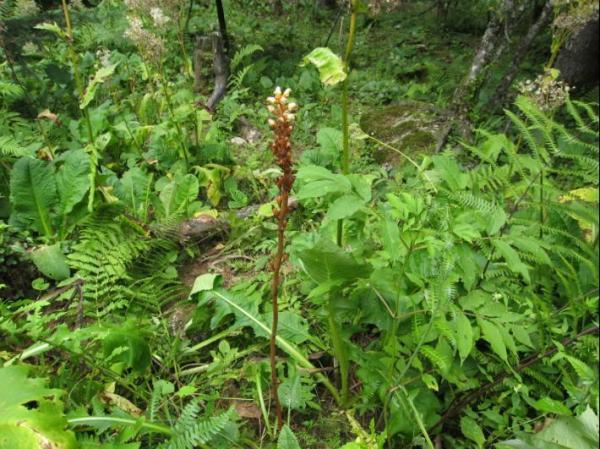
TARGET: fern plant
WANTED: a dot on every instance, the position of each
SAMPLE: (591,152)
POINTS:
(123,264)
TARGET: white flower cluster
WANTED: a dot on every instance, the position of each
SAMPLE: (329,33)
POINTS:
(29,48)
(103,56)
(573,14)
(150,45)
(279,106)
(158,17)
(26,7)
(546,91)
(77,4)
(377,5)
(172,7)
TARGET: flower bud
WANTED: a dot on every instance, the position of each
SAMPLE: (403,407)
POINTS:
(271,109)
(292,107)
(271,123)
(287,92)
(271,100)
(277,91)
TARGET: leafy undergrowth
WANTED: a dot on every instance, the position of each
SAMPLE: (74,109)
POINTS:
(429,299)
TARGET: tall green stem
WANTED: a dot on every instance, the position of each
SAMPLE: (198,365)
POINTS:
(165,87)
(345,163)
(340,350)
(81,92)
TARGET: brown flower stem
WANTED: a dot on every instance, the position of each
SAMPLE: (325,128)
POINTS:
(282,149)
(277,261)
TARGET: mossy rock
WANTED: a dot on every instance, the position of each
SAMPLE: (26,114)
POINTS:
(411,126)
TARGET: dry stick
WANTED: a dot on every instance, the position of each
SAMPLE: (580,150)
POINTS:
(524,47)
(282,149)
(459,404)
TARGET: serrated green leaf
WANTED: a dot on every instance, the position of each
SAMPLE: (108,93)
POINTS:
(26,426)
(472,431)
(492,335)
(287,439)
(549,405)
(100,77)
(513,261)
(463,333)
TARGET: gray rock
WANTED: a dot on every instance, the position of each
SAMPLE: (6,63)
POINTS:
(410,126)
(578,60)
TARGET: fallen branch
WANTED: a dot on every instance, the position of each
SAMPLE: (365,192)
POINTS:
(205,224)
(460,403)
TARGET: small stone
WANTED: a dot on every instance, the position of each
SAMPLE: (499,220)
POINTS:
(238,141)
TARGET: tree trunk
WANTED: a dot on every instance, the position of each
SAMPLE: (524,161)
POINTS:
(221,68)
(222,25)
(469,86)
(501,92)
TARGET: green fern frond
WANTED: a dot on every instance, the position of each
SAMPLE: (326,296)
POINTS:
(189,431)
(243,53)
(122,264)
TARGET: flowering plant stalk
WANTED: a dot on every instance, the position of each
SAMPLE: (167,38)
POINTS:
(282,125)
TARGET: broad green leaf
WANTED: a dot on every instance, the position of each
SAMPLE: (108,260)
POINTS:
(287,439)
(472,431)
(326,261)
(100,77)
(316,182)
(178,195)
(292,326)
(205,282)
(330,65)
(33,194)
(31,415)
(330,141)
(51,261)
(133,190)
(128,347)
(72,181)
(549,405)
(492,335)
(345,206)
(569,433)
(463,333)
